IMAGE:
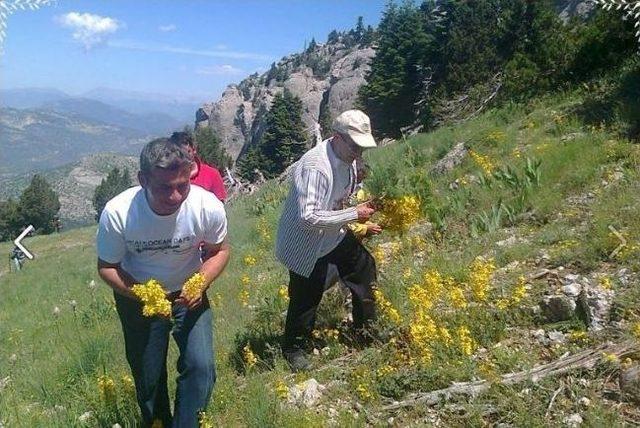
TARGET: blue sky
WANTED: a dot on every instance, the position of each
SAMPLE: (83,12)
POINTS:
(179,48)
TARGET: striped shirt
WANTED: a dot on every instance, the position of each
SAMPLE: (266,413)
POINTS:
(308,220)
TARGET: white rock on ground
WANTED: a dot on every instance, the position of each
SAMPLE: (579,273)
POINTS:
(306,394)
(573,420)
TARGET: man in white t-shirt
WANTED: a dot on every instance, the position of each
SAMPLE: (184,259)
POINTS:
(155,231)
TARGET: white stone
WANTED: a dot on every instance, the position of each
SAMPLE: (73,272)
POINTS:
(306,394)
(572,290)
(585,402)
(573,420)
(556,336)
(85,417)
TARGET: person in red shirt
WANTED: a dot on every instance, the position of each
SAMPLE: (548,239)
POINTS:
(202,175)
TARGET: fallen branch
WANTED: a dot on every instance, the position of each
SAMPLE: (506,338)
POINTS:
(582,360)
(553,399)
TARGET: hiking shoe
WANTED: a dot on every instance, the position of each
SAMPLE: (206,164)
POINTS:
(297,360)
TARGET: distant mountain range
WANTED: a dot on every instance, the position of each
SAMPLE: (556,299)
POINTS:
(180,109)
(40,139)
(44,128)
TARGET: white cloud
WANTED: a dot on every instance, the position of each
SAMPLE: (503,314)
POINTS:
(167,28)
(220,70)
(89,29)
(133,45)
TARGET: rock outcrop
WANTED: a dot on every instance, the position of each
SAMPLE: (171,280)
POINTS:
(326,78)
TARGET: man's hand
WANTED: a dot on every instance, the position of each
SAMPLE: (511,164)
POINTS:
(191,304)
(373,229)
(365,210)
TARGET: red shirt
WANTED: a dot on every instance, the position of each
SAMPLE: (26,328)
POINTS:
(209,179)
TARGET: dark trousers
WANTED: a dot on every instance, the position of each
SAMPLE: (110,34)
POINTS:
(146,344)
(357,269)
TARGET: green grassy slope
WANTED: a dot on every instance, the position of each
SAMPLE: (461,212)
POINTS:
(557,219)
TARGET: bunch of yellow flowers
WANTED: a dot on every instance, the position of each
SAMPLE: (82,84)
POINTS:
(153,297)
(107,388)
(482,161)
(480,273)
(386,308)
(281,389)
(194,286)
(399,214)
(250,358)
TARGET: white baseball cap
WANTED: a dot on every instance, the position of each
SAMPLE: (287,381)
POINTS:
(357,126)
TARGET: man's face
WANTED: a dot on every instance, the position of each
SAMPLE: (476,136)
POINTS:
(191,149)
(166,189)
(351,149)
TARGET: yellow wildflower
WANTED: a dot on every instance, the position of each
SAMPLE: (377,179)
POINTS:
(419,296)
(363,392)
(127,383)
(433,284)
(250,358)
(194,286)
(610,358)
(466,342)
(406,273)
(578,336)
(283,292)
(107,388)
(419,243)
(386,308)
(378,255)
(153,297)
(249,260)
(362,196)
(385,370)
(502,304)
(520,291)
(216,300)
(400,213)
(244,298)
(456,296)
(605,282)
(281,388)
(480,273)
(245,280)
(635,329)
(444,336)
(205,421)
(482,161)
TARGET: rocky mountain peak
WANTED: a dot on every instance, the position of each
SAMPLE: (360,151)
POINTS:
(326,77)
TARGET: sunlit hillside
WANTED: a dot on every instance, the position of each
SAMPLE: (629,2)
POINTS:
(512,262)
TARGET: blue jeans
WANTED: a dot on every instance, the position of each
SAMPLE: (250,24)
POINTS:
(146,344)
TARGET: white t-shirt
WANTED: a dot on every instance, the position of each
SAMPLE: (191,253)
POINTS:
(166,248)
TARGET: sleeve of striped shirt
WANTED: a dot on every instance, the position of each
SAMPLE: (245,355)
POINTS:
(312,189)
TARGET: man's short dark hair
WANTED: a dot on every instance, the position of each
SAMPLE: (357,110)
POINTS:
(182,138)
(162,153)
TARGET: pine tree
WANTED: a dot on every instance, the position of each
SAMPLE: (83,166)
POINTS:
(395,78)
(283,142)
(116,182)
(284,139)
(10,220)
(211,150)
(39,204)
